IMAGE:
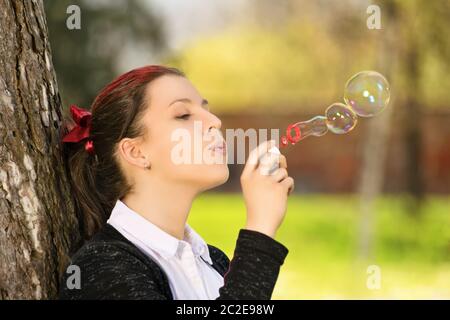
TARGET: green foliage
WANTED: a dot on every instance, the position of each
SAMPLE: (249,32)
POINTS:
(303,62)
(246,67)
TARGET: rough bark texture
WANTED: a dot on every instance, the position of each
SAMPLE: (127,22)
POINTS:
(38,225)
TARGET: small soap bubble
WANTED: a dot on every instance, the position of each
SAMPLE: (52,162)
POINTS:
(340,118)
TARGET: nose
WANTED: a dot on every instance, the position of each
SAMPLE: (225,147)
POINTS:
(214,123)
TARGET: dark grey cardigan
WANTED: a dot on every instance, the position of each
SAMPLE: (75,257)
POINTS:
(114,268)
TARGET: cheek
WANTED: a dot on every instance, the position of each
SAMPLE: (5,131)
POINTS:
(178,154)
(160,138)
(200,174)
(168,146)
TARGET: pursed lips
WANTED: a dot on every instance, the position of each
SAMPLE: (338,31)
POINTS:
(221,146)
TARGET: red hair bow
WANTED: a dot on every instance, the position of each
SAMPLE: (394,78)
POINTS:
(81,130)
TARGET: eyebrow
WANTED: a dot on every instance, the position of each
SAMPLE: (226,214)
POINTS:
(186,100)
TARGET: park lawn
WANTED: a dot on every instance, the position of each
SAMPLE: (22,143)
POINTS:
(321,233)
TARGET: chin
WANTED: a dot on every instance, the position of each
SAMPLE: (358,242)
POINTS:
(214,176)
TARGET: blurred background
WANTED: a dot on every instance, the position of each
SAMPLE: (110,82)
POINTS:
(377,196)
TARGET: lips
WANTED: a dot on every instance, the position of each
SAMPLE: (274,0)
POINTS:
(219,147)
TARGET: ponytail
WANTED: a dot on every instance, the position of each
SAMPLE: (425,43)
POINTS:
(89,202)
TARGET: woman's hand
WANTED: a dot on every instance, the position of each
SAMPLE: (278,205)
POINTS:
(265,195)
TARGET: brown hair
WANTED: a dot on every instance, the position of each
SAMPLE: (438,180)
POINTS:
(97,180)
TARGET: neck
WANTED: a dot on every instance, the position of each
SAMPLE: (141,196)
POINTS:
(164,204)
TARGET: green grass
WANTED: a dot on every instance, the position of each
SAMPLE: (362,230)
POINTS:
(321,233)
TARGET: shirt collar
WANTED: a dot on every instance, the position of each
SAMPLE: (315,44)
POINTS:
(153,237)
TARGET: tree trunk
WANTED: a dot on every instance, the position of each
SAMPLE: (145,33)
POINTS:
(411,121)
(38,225)
(375,145)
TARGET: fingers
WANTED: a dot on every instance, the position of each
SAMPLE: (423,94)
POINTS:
(279,174)
(270,164)
(288,183)
(283,162)
(255,155)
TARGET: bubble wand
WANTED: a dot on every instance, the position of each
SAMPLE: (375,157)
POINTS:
(366,94)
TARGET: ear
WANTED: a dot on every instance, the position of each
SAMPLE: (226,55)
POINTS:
(131,152)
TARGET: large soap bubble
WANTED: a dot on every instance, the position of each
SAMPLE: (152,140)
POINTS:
(367,93)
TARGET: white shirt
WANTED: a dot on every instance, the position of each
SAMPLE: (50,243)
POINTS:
(186,262)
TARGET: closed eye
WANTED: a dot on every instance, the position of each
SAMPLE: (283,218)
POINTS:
(184,116)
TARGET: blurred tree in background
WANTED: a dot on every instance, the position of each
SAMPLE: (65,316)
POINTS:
(423,33)
(87,59)
(300,56)
(294,56)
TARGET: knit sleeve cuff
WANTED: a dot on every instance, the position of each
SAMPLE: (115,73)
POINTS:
(250,240)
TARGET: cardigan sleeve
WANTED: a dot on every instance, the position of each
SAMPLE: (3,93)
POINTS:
(254,269)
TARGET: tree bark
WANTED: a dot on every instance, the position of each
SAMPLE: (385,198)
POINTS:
(38,225)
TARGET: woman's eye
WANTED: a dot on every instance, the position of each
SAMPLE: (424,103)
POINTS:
(184,116)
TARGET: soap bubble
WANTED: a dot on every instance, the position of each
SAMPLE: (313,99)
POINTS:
(340,118)
(367,93)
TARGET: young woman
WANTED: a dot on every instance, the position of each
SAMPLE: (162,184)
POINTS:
(134,200)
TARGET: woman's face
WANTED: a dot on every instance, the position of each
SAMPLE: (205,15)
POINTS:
(183,140)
